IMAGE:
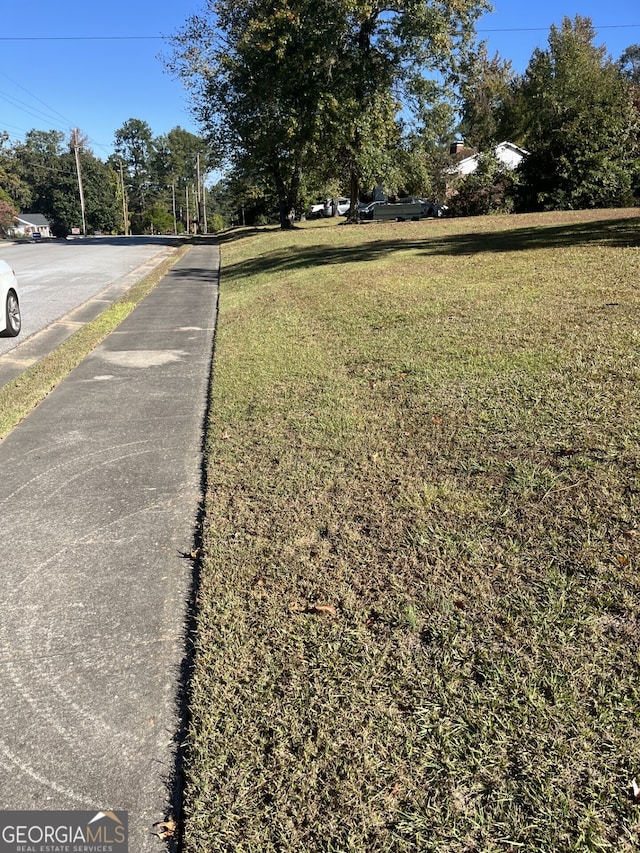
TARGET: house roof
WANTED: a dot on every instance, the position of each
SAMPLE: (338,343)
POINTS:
(36,219)
(511,145)
(468,164)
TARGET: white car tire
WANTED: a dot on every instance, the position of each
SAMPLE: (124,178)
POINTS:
(13,319)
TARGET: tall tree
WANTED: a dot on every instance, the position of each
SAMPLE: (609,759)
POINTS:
(37,161)
(392,53)
(182,151)
(485,90)
(134,146)
(258,74)
(14,189)
(102,208)
(51,169)
(573,111)
(281,85)
(629,64)
(180,164)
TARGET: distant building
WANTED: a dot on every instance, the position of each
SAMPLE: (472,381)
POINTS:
(507,153)
(465,161)
(28,224)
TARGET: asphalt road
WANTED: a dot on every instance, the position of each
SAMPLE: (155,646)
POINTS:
(57,276)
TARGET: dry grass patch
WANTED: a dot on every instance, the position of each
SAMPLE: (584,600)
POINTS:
(417,624)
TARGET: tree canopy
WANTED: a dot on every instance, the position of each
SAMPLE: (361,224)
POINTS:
(160,178)
(629,64)
(485,91)
(574,112)
(285,86)
(303,100)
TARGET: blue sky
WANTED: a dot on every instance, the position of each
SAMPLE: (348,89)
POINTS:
(60,67)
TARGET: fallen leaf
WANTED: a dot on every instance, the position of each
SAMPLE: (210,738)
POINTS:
(329,609)
(436,419)
(166,828)
(623,560)
(195,553)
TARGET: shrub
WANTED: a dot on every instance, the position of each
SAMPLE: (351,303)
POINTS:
(490,189)
(216,222)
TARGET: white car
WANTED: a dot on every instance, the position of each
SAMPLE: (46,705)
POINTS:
(325,208)
(10,321)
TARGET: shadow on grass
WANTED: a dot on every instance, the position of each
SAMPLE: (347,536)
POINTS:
(618,233)
(234,235)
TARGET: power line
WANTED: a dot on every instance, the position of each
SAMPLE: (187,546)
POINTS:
(546,29)
(30,110)
(82,38)
(39,114)
(163,38)
(53,111)
(55,117)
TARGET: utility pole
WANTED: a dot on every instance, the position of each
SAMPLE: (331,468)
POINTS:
(125,212)
(175,221)
(204,208)
(186,190)
(199,214)
(84,221)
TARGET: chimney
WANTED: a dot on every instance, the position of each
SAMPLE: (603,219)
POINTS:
(456,147)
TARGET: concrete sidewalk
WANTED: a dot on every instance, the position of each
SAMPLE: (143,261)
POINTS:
(99,500)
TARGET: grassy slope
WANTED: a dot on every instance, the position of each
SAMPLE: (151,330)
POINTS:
(418,625)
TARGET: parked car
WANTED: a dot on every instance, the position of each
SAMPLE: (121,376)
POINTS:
(325,208)
(10,320)
(433,208)
(366,208)
(403,209)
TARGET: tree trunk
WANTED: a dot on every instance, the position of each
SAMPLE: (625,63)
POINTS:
(286,214)
(354,182)
(287,196)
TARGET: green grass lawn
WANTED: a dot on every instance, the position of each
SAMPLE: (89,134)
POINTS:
(418,622)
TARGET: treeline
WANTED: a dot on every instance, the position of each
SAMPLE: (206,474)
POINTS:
(575,110)
(320,98)
(150,184)
(301,100)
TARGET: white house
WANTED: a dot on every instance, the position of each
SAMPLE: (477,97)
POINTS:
(28,224)
(507,153)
